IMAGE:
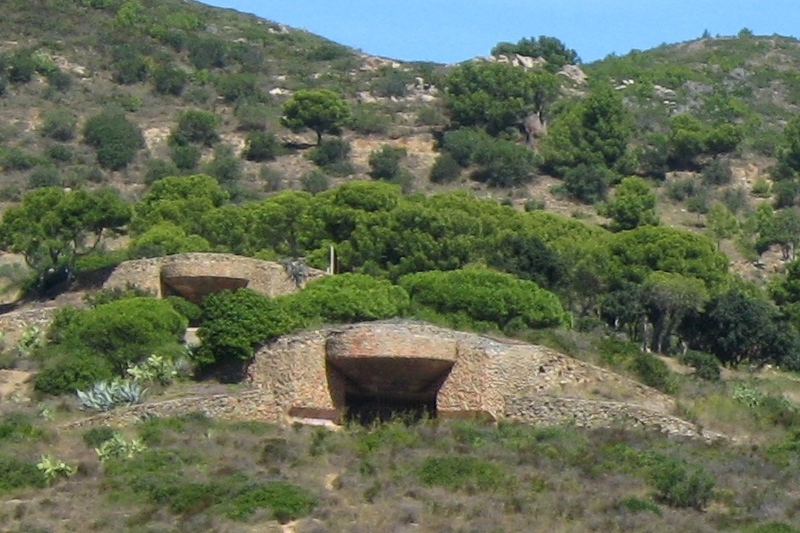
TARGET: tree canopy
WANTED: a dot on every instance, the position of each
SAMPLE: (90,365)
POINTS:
(320,110)
(52,227)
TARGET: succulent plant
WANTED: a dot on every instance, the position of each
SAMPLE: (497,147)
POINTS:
(106,395)
(117,447)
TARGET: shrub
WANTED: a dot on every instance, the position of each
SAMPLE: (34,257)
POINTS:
(158,169)
(504,164)
(369,119)
(94,437)
(736,199)
(786,193)
(115,138)
(16,159)
(236,87)
(195,126)
(286,502)
(207,52)
(169,80)
(60,153)
(16,474)
(653,372)
(445,169)
(431,116)
(487,296)
(21,66)
(252,116)
(130,66)
(717,172)
(272,178)
(126,331)
(463,473)
(679,485)
(637,505)
(348,298)
(58,80)
(233,323)
(762,188)
(165,238)
(330,152)
(44,176)
(226,167)
(588,184)
(385,163)
(59,125)
(706,365)
(185,157)
(17,427)
(184,307)
(70,372)
(463,144)
(315,182)
(261,146)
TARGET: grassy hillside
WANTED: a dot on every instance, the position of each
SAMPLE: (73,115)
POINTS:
(183,90)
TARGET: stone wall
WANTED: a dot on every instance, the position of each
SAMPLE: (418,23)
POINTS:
(149,274)
(548,410)
(297,376)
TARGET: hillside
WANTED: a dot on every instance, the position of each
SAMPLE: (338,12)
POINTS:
(568,292)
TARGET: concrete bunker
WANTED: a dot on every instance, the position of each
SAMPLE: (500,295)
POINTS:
(178,279)
(377,389)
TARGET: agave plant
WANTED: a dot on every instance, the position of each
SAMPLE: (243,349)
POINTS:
(106,395)
(118,448)
(54,469)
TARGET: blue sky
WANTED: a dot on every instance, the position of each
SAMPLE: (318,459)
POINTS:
(449,31)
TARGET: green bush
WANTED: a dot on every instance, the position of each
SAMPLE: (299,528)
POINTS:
(61,153)
(286,501)
(677,484)
(115,138)
(505,164)
(348,298)
(58,80)
(195,126)
(252,116)
(166,238)
(385,163)
(588,184)
(706,365)
(71,372)
(369,119)
(169,80)
(18,427)
(463,144)
(44,176)
(717,172)
(96,436)
(315,182)
(463,473)
(445,169)
(330,152)
(185,157)
(16,474)
(237,87)
(158,169)
(637,505)
(207,52)
(487,296)
(16,159)
(653,372)
(125,331)
(233,323)
(261,146)
(185,308)
(226,167)
(59,125)
(21,66)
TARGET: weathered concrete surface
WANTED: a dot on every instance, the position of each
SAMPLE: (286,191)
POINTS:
(194,275)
